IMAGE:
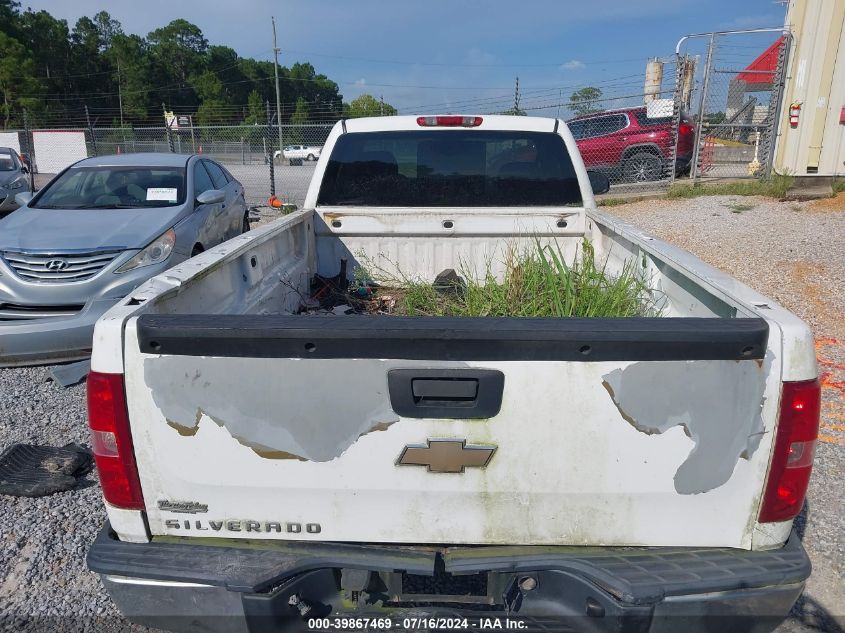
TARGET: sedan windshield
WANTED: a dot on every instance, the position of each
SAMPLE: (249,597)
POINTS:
(115,188)
(7,163)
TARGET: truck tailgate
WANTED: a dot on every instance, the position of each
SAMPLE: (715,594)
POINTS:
(652,431)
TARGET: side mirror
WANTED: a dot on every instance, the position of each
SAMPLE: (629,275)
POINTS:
(599,182)
(211,196)
(24,169)
(23,197)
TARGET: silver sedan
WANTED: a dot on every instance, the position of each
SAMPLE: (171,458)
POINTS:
(97,231)
(13,179)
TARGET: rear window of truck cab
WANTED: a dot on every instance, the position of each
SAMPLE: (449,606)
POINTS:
(455,168)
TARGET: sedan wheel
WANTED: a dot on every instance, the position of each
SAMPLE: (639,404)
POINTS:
(642,167)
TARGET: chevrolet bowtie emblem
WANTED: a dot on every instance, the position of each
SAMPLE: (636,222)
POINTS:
(446,456)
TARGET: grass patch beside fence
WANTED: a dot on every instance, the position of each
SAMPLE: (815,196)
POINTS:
(774,187)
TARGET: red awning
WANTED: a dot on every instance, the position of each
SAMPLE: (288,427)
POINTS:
(762,70)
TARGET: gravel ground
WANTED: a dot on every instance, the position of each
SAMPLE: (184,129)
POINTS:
(794,253)
(43,577)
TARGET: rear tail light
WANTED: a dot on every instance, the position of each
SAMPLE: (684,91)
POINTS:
(795,444)
(112,442)
(449,121)
(686,128)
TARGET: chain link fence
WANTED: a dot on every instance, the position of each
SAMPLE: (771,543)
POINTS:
(254,154)
(716,119)
(640,141)
(739,102)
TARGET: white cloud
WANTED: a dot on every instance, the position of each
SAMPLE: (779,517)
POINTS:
(573,65)
(360,83)
(477,57)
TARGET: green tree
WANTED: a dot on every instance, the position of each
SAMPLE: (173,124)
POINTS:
(368,105)
(108,28)
(714,118)
(95,63)
(130,54)
(256,110)
(300,115)
(585,100)
(48,42)
(9,10)
(17,84)
(178,51)
(226,64)
(87,67)
(209,89)
(298,120)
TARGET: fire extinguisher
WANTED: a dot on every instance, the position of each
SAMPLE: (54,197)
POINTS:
(794,113)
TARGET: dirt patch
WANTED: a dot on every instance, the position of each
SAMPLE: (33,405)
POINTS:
(804,275)
(826,205)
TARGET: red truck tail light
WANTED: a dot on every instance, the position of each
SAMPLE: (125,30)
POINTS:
(449,121)
(112,442)
(686,129)
(792,459)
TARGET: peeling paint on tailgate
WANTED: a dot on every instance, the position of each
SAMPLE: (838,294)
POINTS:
(308,426)
(718,404)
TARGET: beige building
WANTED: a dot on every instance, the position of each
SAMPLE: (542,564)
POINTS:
(816,81)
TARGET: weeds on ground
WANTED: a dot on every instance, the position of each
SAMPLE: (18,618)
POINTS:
(536,283)
(838,185)
(775,186)
(611,202)
(739,208)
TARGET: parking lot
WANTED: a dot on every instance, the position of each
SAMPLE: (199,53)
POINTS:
(794,253)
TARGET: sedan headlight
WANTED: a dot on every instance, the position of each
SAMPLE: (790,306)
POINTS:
(16,184)
(156,252)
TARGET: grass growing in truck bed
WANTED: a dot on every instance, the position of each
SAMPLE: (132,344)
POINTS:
(536,283)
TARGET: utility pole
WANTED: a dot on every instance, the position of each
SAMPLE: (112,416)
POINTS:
(381,105)
(91,131)
(278,94)
(516,97)
(119,93)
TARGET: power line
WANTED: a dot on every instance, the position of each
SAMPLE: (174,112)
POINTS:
(459,65)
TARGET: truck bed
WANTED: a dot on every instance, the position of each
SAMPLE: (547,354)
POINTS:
(268,425)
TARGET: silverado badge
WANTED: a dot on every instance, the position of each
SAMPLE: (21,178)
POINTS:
(446,456)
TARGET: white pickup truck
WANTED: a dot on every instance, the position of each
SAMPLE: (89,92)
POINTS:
(295,154)
(267,468)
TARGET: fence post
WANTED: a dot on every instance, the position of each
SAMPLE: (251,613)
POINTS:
(270,152)
(776,105)
(167,127)
(29,144)
(91,131)
(677,108)
(708,68)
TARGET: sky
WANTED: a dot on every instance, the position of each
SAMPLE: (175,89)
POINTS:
(458,55)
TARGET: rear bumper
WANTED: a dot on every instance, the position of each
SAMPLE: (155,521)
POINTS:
(185,586)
